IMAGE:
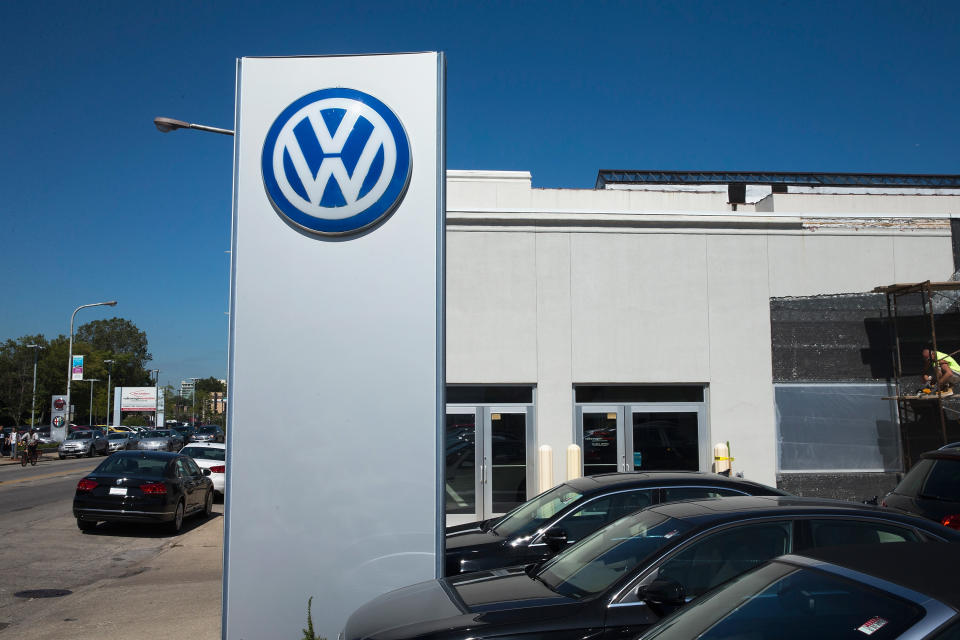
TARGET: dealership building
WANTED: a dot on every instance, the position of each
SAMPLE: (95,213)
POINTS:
(661,313)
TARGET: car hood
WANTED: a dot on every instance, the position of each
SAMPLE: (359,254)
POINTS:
(488,599)
(154,440)
(471,538)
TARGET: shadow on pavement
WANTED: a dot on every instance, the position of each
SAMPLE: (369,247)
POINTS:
(148,530)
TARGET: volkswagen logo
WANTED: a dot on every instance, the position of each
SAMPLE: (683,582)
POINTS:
(336,161)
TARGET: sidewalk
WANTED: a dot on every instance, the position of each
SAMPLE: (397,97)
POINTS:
(174,595)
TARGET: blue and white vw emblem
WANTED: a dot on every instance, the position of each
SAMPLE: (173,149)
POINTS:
(336,161)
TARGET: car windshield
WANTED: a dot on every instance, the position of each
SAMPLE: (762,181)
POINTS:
(117,436)
(599,560)
(133,466)
(207,430)
(782,601)
(80,435)
(157,434)
(528,517)
(205,453)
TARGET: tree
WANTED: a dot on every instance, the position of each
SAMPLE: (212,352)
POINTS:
(210,385)
(125,344)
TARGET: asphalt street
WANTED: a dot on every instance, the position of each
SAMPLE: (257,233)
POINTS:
(41,547)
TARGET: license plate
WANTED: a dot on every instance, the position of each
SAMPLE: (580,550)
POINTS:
(118,491)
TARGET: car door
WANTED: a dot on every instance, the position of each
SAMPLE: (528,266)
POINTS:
(703,563)
(190,484)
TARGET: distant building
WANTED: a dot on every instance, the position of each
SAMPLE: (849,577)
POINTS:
(186,389)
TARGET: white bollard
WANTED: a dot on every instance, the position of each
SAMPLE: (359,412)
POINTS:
(544,468)
(574,465)
(721,458)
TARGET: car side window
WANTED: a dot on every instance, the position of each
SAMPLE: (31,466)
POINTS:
(182,469)
(596,513)
(194,469)
(837,532)
(672,494)
(725,554)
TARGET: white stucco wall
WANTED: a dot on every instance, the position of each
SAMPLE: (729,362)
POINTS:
(556,288)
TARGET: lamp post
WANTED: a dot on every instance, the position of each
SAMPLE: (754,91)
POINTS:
(90,413)
(111,303)
(193,413)
(109,376)
(33,402)
(156,397)
(166,125)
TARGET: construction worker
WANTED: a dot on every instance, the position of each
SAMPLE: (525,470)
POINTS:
(941,365)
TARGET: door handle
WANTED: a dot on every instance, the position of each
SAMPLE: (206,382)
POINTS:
(483,472)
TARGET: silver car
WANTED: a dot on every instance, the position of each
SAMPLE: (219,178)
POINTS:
(83,443)
(158,440)
(120,441)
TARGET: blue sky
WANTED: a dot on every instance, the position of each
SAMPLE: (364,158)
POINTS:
(96,204)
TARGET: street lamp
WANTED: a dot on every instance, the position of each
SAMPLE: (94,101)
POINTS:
(156,397)
(193,413)
(90,413)
(33,402)
(166,125)
(111,303)
(109,376)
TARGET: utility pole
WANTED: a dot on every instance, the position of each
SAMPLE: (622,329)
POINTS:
(109,376)
(33,402)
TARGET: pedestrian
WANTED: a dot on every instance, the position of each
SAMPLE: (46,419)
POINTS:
(940,368)
(12,440)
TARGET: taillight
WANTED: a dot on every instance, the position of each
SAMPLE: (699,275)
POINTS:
(154,488)
(220,468)
(86,485)
(952,521)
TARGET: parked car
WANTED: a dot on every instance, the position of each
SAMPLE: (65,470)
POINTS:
(560,517)
(143,486)
(207,433)
(159,440)
(211,456)
(44,436)
(121,441)
(185,432)
(830,593)
(83,442)
(931,489)
(596,588)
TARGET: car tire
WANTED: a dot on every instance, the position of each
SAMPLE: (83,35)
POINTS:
(175,525)
(208,505)
(61,456)
(86,525)
(90,451)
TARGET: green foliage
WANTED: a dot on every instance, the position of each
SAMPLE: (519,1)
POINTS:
(134,420)
(113,339)
(308,633)
(210,385)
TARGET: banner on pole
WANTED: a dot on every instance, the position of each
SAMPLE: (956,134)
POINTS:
(77,368)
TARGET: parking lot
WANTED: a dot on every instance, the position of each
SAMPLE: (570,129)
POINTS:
(123,580)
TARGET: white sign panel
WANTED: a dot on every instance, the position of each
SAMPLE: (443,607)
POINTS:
(336,338)
(138,398)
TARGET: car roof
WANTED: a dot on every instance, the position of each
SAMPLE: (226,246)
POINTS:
(605,481)
(715,511)
(949,452)
(207,445)
(915,565)
(150,455)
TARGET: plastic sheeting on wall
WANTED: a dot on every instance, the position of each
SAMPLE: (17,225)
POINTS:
(837,427)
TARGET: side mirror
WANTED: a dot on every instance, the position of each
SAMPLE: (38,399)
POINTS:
(663,596)
(555,538)
(207,472)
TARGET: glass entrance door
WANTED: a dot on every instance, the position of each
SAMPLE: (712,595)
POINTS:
(487,461)
(665,438)
(603,447)
(643,437)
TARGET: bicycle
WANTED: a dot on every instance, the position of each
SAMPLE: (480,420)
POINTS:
(29,456)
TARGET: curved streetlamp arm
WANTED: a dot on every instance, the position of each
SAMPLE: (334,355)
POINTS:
(166,125)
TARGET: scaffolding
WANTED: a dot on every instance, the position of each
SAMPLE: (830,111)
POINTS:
(912,409)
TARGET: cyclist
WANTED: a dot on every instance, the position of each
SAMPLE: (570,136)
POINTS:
(33,441)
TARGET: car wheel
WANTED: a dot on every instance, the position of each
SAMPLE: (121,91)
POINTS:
(177,523)
(208,505)
(90,451)
(85,525)
(61,456)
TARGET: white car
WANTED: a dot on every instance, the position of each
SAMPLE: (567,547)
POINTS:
(213,456)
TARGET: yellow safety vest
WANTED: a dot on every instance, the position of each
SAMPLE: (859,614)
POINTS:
(942,357)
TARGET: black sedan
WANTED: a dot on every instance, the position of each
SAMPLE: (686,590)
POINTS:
(550,522)
(623,578)
(831,593)
(931,489)
(143,486)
